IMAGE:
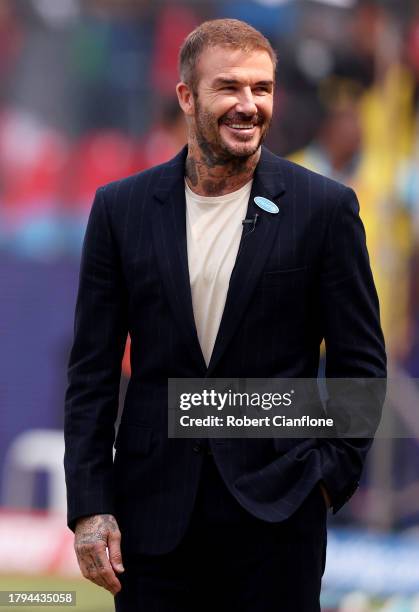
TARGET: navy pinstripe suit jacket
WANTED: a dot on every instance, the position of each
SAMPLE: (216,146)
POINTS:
(301,276)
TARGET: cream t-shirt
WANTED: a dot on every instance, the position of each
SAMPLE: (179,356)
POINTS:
(213,230)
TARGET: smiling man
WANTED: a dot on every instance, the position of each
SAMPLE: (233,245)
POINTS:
(228,101)
(226,261)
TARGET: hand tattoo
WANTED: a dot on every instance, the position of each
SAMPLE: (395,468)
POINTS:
(93,534)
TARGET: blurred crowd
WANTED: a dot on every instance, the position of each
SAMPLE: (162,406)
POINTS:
(87,96)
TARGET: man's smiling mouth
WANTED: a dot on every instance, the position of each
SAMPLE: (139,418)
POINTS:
(241,126)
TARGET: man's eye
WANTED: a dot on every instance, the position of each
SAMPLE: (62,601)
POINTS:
(229,88)
(261,90)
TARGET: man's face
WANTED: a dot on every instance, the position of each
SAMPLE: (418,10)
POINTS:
(233,103)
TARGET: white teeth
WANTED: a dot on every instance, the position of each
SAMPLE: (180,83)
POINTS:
(240,126)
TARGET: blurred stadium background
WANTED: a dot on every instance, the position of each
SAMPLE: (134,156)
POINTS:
(87,96)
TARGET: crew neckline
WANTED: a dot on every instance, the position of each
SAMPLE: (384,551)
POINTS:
(221,198)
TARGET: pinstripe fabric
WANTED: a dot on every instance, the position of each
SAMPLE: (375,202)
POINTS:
(300,276)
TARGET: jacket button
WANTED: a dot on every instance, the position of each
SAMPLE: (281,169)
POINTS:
(197,448)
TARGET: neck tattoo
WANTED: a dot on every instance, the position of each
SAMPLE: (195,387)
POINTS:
(209,175)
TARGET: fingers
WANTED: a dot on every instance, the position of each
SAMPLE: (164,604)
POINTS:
(103,570)
(92,535)
(95,566)
(88,570)
(114,547)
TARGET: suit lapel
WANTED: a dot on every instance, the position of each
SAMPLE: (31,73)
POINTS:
(169,234)
(253,252)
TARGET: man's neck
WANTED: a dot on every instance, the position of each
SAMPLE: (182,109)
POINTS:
(208,176)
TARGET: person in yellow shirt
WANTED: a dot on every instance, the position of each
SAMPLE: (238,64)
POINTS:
(354,145)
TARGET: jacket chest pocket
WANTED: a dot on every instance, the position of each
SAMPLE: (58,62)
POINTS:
(291,278)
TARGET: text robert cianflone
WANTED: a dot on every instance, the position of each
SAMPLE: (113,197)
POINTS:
(235,405)
(278,420)
(217,400)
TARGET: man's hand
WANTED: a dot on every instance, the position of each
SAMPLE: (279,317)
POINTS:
(92,535)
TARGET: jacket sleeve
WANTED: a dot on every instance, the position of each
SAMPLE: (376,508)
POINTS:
(94,370)
(353,338)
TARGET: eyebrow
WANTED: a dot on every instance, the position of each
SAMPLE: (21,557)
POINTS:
(223,82)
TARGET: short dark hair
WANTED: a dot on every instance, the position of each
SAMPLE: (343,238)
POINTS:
(231,33)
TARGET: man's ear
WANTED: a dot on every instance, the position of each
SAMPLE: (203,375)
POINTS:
(186,99)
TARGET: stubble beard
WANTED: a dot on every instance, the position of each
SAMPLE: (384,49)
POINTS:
(214,149)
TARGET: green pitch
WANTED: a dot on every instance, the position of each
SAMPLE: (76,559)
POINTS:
(89,598)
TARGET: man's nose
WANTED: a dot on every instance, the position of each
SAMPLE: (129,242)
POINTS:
(246,103)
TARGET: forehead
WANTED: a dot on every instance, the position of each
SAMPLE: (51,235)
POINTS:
(220,61)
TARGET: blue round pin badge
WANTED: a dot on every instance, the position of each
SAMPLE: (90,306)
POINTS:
(266,204)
